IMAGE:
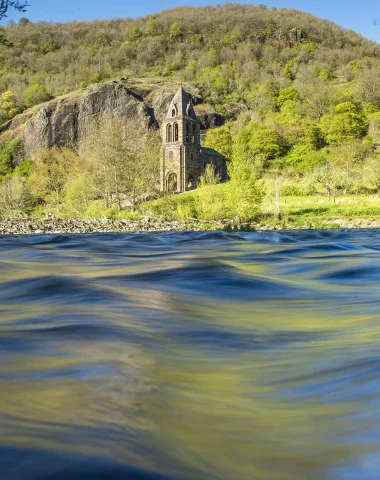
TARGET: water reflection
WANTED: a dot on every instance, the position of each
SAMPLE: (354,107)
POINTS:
(191,356)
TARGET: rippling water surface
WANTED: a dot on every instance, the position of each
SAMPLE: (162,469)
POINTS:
(190,356)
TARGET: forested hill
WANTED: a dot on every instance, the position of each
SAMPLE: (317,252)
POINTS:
(235,53)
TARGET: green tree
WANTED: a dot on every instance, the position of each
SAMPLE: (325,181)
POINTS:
(176,30)
(48,47)
(266,144)
(346,107)
(374,128)
(8,106)
(288,94)
(263,97)
(244,192)
(368,85)
(311,135)
(151,27)
(50,173)
(340,127)
(303,158)
(23,21)
(135,34)
(80,191)
(220,140)
(209,205)
(24,168)
(36,94)
(317,94)
(95,78)
(14,196)
(326,175)
(371,172)
(9,152)
(349,159)
(190,71)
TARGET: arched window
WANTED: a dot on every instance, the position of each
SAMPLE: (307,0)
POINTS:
(194,133)
(188,134)
(176,132)
(171,183)
(169,133)
(190,182)
(173,112)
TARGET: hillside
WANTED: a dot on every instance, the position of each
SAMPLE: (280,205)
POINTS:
(228,50)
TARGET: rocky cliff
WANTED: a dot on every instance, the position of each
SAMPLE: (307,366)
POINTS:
(62,121)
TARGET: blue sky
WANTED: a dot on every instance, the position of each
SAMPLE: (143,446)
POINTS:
(357,15)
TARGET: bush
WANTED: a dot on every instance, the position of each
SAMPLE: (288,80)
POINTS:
(36,94)
(14,196)
(244,191)
(9,150)
(95,210)
(292,190)
(186,210)
(48,47)
(78,195)
(24,168)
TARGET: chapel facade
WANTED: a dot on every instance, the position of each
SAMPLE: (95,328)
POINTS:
(183,159)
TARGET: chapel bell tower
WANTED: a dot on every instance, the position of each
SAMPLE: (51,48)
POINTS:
(181,160)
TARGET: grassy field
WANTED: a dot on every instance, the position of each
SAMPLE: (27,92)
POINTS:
(316,211)
(321,212)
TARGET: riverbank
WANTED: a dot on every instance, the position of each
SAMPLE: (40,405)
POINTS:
(56,225)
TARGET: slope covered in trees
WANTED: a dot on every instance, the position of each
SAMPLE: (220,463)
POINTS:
(237,52)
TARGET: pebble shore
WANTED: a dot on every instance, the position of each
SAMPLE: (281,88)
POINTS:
(27,226)
(56,225)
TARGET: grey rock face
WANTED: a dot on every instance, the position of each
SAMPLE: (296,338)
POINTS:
(208,116)
(61,122)
(234,109)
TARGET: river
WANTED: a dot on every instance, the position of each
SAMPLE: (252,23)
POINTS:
(203,355)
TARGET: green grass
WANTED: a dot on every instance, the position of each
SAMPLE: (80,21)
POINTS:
(315,211)
(320,212)
(181,206)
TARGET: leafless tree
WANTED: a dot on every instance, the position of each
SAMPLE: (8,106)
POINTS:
(124,159)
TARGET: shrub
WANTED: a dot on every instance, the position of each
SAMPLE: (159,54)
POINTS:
(9,149)
(36,94)
(244,192)
(14,195)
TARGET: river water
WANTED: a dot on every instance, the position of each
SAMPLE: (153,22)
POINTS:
(190,356)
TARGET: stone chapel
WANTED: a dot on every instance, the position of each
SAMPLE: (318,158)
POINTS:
(183,159)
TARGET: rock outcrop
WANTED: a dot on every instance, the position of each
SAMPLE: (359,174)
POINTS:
(63,121)
(234,109)
(208,116)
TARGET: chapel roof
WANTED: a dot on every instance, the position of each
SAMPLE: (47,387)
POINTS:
(211,151)
(181,105)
